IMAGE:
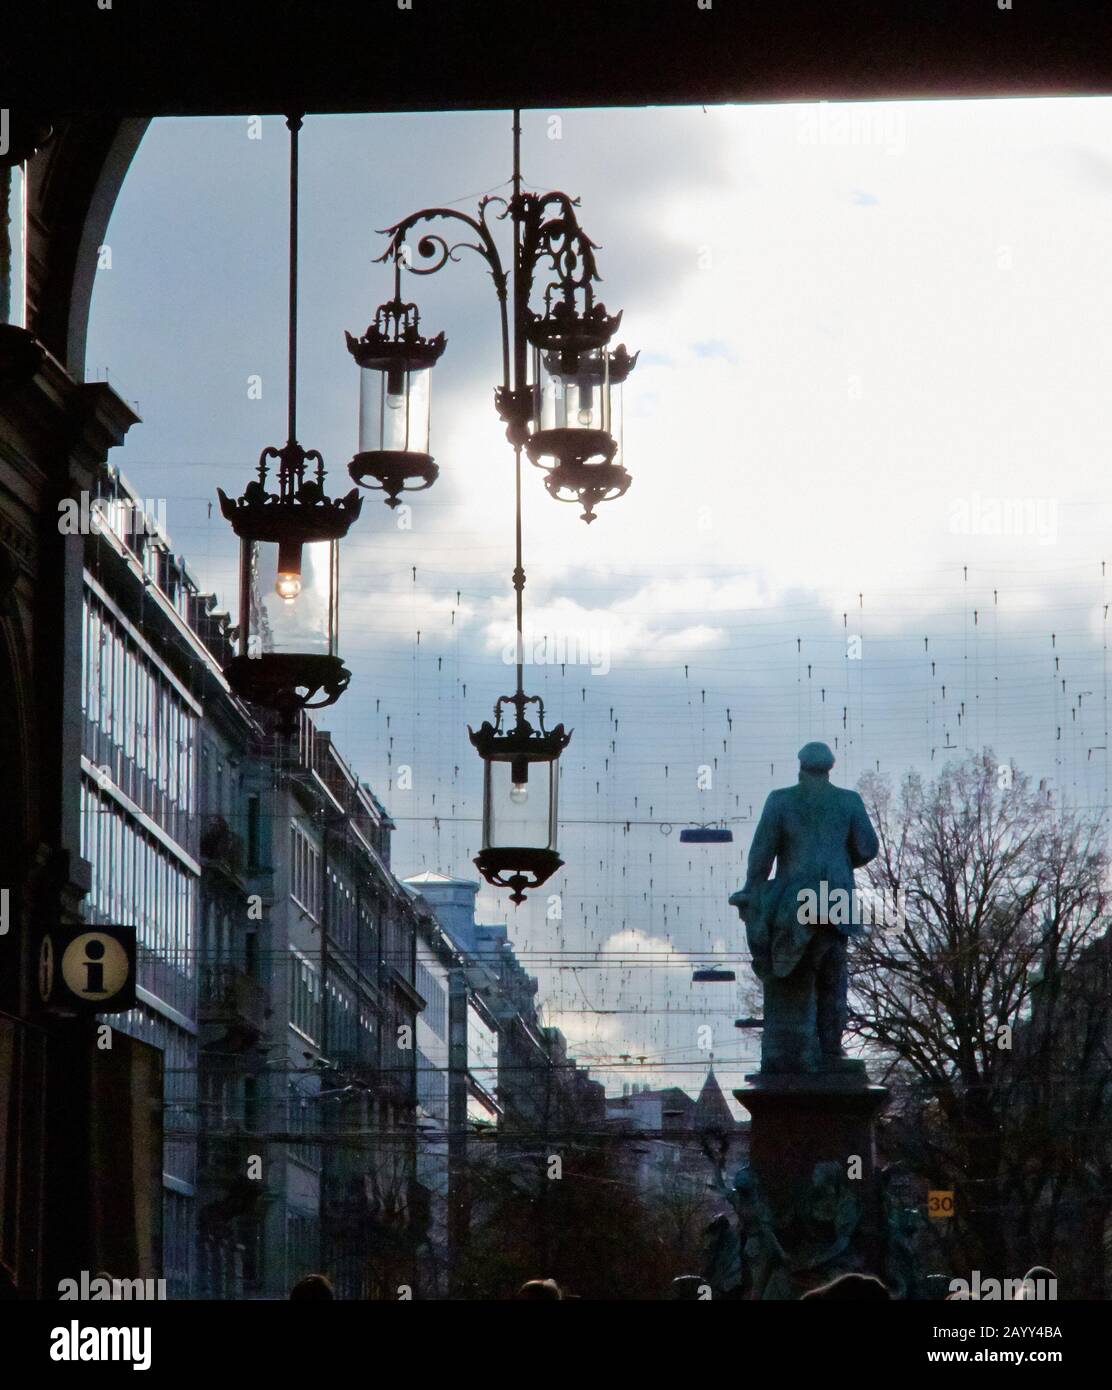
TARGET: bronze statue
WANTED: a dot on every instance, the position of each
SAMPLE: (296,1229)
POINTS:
(798,923)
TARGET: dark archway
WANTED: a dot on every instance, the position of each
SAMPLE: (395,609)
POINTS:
(74,181)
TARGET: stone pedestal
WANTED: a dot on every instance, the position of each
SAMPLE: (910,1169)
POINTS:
(798,1122)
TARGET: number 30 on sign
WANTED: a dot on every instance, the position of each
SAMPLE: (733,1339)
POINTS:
(940,1205)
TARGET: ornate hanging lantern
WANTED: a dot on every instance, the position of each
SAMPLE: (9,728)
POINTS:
(289,585)
(521,780)
(577,423)
(395,384)
(577,380)
(289,560)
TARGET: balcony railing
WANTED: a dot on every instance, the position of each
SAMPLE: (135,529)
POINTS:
(230,997)
(221,848)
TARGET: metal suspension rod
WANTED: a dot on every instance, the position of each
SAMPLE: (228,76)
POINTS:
(519,305)
(520,288)
(293,121)
(519,574)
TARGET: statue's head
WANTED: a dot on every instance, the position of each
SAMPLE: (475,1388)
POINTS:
(815,757)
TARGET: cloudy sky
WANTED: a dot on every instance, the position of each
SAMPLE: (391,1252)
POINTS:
(868,431)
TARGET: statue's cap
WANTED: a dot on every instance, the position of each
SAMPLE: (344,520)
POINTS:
(815,757)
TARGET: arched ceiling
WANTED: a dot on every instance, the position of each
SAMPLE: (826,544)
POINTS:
(98,74)
(244,56)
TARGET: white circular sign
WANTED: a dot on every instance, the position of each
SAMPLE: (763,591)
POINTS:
(94,966)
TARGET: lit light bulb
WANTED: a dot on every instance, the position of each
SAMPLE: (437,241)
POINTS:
(519,793)
(584,417)
(287,586)
(287,582)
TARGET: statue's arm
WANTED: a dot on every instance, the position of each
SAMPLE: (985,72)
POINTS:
(863,843)
(762,852)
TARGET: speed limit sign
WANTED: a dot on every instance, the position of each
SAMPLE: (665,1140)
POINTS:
(940,1205)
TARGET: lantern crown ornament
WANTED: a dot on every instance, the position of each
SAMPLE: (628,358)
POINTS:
(395,361)
(300,512)
(289,531)
(568,335)
(520,793)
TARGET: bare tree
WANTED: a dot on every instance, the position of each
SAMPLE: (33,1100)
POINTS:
(1000,900)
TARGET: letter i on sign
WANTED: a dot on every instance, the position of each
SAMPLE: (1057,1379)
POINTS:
(94,970)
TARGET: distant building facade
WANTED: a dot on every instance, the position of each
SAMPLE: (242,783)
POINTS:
(278,954)
(664,1137)
(511,1092)
(145,681)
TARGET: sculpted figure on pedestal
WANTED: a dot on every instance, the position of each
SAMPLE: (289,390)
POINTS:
(798,922)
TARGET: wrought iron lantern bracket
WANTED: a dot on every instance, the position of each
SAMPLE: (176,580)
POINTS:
(571,332)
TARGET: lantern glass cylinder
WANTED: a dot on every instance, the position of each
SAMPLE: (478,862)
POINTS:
(519,803)
(571,400)
(288,597)
(394,409)
(614,396)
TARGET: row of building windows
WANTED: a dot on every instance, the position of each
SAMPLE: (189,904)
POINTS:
(343,1021)
(329,897)
(302,1245)
(482,1052)
(139,734)
(346,1019)
(302,1110)
(369,1023)
(137,727)
(177,1244)
(224,940)
(179,1084)
(435,1012)
(138,524)
(341,911)
(305,997)
(221,1100)
(432,1089)
(221,784)
(136,882)
(305,871)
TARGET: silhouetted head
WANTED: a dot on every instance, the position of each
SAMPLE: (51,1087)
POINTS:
(815,758)
(540,1291)
(850,1286)
(314,1288)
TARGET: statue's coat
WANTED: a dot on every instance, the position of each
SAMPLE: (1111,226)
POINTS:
(815,832)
